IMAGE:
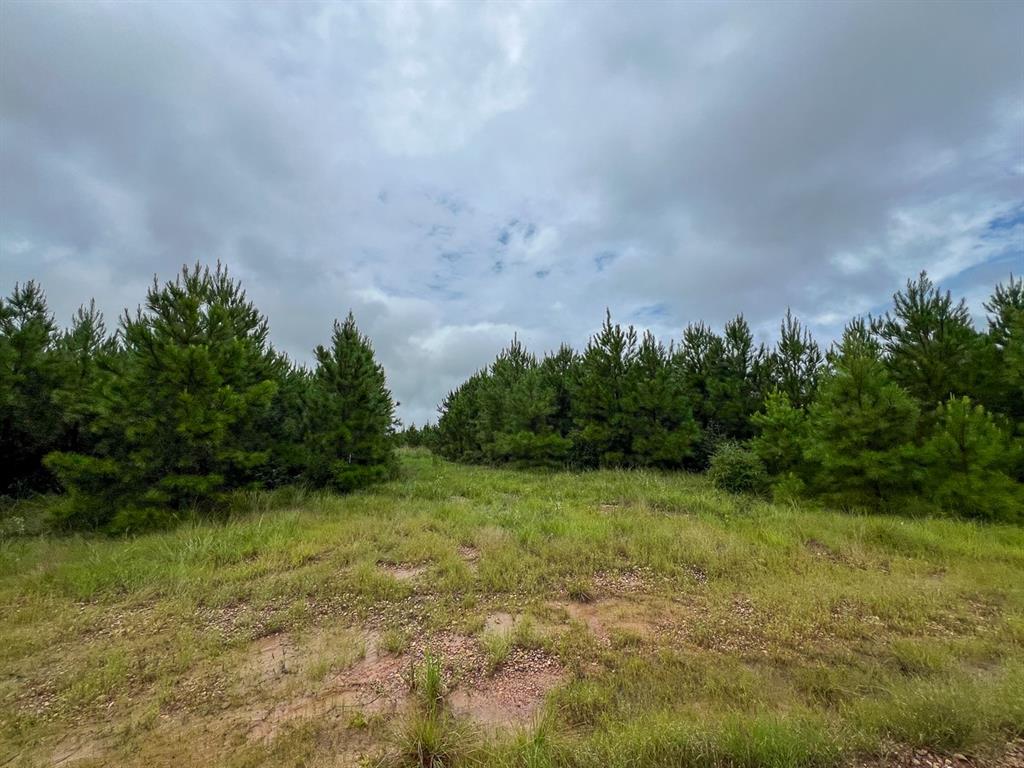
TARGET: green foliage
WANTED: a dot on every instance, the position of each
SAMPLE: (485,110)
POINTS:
(661,422)
(862,428)
(1002,374)
(187,404)
(737,469)
(603,435)
(782,432)
(720,374)
(797,363)
(177,421)
(351,414)
(929,343)
(30,425)
(967,457)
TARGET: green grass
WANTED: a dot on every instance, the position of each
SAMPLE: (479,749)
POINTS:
(691,627)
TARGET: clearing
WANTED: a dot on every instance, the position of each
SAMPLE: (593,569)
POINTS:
(608,618)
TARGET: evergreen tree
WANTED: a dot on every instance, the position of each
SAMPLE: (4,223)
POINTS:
(410,436)
(496,414)
(742,382)
(967,458)
(457,418)
(797,363)
(1002,383)
(560,372)
(351,413)
(529,434)
(30,421)
(178,421)
(602,433)
(782,432)
(928,342)
(85,354)
(284,426)
(700,360)
(862,427)
(727,378)
(658,412)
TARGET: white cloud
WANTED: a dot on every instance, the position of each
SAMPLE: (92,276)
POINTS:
(451,171)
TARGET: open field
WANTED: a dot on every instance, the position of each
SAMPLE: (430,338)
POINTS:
(494,617)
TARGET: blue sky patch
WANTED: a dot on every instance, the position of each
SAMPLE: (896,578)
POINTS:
(603,259)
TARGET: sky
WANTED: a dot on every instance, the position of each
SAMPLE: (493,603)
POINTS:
(456,173)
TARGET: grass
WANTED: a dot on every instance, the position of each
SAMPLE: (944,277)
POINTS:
(687,627)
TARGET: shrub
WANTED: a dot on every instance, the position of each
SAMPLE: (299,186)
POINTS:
(737,469)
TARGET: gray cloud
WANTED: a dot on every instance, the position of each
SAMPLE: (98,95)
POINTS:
(456,174)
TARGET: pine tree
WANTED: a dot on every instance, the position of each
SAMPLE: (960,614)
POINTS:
(179,419)
(528,435)
(700,362)
(602,433)
(928,343)
(968,457)
(797,363)
(283,427)
(1003,373)
(742,382)
(351,415)
(862,427)
(727,378)
(782,432)
(560,372)
(457,435)
(30,421)
(85,354)
(497,415)
(658,412)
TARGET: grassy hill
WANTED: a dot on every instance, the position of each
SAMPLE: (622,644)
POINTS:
(494,617)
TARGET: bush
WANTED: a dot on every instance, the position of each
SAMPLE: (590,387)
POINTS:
(737,469)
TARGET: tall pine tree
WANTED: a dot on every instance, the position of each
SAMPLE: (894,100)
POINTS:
(660,419)
(351,415)
(178,420)
(30,421)
(928,342)
(1002,379)
(602,435)
(863,427)
(797,363)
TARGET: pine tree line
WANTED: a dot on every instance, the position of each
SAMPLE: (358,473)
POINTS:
(916,410)
(186,402)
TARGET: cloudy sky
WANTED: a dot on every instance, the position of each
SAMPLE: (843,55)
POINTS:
(459,172)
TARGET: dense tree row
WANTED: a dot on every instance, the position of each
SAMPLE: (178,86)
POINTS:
(915,410)
(184,403)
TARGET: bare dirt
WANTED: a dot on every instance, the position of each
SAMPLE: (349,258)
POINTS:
(403,571)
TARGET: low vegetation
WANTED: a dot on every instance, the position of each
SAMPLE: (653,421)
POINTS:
(464,615)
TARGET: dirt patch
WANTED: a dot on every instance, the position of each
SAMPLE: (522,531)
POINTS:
(633,581)
(1010,757)
(236,618)
(609,617)
(270,658)
(511,697)
(500,622)
(80,747)
(403,571)
(375,684)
